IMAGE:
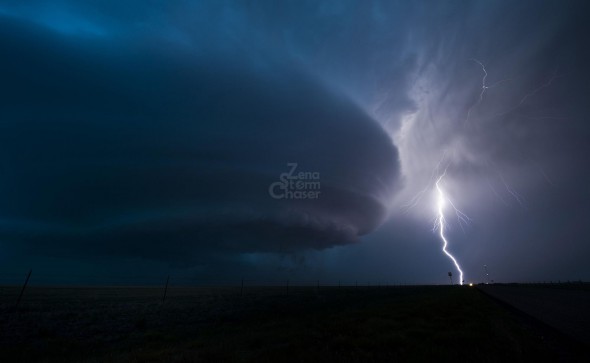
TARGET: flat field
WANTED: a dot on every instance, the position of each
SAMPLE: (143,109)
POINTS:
(270,324)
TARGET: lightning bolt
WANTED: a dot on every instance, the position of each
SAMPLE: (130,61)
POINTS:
(440,222)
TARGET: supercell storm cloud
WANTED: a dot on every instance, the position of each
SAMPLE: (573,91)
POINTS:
(154,131)
(135,151)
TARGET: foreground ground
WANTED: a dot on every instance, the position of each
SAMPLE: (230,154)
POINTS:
(565,307)
(271,324)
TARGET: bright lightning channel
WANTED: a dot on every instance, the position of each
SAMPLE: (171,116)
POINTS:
(440,223)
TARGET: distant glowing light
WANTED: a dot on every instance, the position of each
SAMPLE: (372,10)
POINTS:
(471,284)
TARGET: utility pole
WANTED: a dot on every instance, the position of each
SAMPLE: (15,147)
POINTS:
(22,291)
(166,289)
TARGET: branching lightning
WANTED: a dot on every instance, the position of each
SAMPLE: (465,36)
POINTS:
(519,198)
(440,222)
(418,197)
(496,193)
(484,87)
(530,94)
(511,191)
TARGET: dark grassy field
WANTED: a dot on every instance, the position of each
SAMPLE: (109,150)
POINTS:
(268,324)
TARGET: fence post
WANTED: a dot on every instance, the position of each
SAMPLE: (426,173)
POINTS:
(165,289)
(22,291)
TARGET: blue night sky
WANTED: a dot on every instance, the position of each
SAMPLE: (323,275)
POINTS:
(140,139)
